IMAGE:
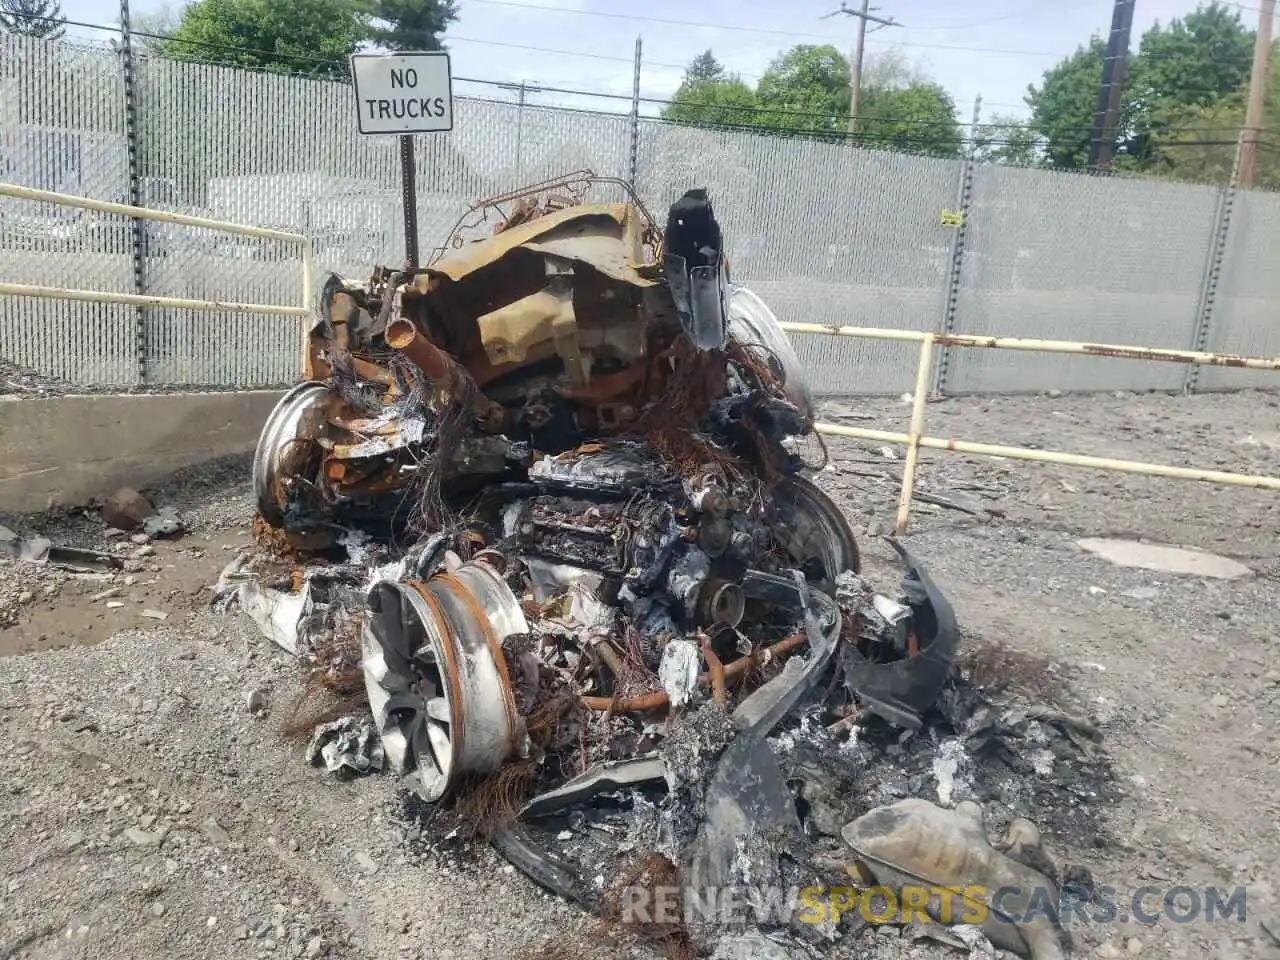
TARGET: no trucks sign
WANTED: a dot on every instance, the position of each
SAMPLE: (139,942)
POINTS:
(402,93)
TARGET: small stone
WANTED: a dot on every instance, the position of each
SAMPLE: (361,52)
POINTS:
(141,838)
(126,509)
(1220,700)
(140,539)
(293,846)
(1142,593)
(1109,951)
(114,604)
(157,909)
(25,596)
(106,594)
(241,932)
(211,922)
(213,830)
(1055,394)
(366,863)
(51,589)
(1134,946)
(315,947)
(155,614)
(256,700)
(147,551)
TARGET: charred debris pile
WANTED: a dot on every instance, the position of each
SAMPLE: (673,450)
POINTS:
(557,534)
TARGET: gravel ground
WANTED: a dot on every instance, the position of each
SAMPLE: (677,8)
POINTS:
(149,814)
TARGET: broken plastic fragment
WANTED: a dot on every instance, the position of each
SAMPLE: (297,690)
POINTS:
(679,671)
(276,613)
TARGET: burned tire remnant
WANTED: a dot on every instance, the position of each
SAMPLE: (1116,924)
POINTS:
(584,565)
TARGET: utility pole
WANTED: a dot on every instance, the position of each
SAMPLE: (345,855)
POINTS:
(523,87)
(855,77)
(1113,71)
(1257,93)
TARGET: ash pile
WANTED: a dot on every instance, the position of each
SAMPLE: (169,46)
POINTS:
(559,538)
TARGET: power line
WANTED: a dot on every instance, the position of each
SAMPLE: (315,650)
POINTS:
(335,61)
(767,111)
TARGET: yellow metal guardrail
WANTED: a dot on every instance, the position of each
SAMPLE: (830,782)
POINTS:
(915,439)
(303,309)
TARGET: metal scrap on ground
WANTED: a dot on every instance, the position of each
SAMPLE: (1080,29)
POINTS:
(562,546)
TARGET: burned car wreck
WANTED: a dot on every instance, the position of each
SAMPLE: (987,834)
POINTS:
(558,523)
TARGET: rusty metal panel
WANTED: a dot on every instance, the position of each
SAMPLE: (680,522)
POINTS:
(62,128)
(1052,255)
(825,233)
(1246,312)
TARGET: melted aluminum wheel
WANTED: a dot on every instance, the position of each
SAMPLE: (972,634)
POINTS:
(814,532)
(436,676)
(275,458)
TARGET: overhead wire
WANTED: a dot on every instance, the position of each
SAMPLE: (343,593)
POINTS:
(766,111)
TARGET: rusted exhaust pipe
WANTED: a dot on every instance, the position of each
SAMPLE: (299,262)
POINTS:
(403,335)
(441,369)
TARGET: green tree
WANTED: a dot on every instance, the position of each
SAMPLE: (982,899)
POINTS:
(704,67)
(920,118)
(709,96)
(1191,62)
(33,18)
(1198,141)
(1063,106)
(806,89)
(410,24)
(303,36)
(1006,140)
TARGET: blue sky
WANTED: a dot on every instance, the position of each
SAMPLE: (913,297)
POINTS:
(988,47)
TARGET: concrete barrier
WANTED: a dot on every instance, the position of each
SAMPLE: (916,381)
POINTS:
(66,450)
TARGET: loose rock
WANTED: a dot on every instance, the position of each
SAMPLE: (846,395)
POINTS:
(126,509)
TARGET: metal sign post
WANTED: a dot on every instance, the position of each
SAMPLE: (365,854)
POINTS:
(404,94)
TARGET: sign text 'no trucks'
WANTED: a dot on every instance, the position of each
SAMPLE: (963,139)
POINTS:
(403,92)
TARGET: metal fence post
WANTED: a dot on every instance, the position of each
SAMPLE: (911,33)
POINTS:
(635,118)
(1213,272)
(139,232)
(964,194)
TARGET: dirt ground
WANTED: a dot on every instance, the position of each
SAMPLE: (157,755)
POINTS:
(148,814)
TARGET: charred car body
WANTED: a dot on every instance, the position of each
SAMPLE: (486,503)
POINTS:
(567,453)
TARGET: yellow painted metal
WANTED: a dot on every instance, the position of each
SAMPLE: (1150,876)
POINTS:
(139,300)
(1112,350)
(1050,456)
(145,213)
(923,372)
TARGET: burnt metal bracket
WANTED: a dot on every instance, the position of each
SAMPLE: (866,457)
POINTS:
(135,189)
(1212,274)
(409,198)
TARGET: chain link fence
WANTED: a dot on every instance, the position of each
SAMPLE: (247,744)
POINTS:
(826,233)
